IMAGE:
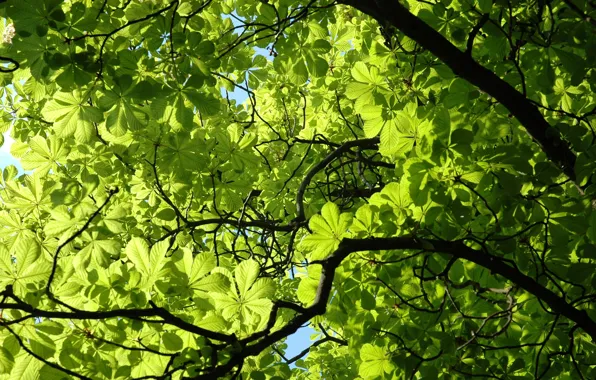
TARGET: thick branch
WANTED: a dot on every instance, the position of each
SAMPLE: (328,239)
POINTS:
(12,65)
(166,316)
(392,12)
(264,224)
(455,248)
(494,264)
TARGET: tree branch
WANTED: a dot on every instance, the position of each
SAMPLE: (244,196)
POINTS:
(392,12)
(321,165)
(328,338)
(455,248)
(166,316)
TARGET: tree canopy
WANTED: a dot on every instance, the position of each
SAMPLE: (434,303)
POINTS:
(413,179)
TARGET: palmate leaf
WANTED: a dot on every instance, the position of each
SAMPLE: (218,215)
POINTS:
(121,114)
(368,82)
(29,198)
(328,230)
(150,263)
(246,274)
(212,321)
(400,135)
(202,264)
(373,120)
(356,90)
(397,194)
(62,223)
(250,298)
(13,231)
(72,115)
(6,267)
(147,364)
(25,367)
(375,362)
(137,252)
(398,132)
(298,73)
(45,154)
(28,265)
(363,74)
(6,361)
(392,142)
(98,252)
(215,282)
(121,119)
(180,153)
(366,220)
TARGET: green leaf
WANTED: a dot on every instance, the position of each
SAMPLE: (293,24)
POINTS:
(320,46)
(328,230)
(26,367)
(202,264)
(360,72)
(319,67)
(572,63)
(474,177)
(249,299)
(591,234)
(373,120)
(171,341)
(298,73)
(246,274)
(366,220)
(367,300)
(391,143)
(307,288)
(356,90)
(396,194)
(375,362)
(485,5)
(71,116)
(137,251)
(6,361)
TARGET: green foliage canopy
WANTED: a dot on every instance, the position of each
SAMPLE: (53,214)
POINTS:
(414,179)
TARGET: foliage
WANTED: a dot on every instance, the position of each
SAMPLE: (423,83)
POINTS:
(414,179)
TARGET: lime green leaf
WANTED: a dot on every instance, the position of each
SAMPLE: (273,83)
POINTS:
(366,220)
(375,362)
(137,251)
(391,143)
(356,90)
(320,46)
(246,273)
(307,289)
(250,298)
(328,230)
(202,264)
(360,72)
(298,73)
(373,120)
